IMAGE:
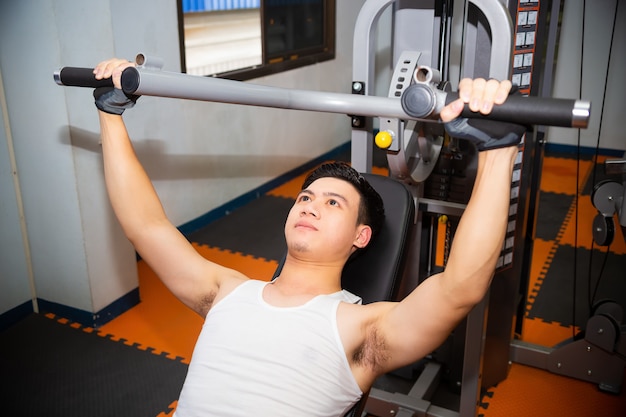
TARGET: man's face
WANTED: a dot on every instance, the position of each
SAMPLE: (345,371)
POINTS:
(322,224)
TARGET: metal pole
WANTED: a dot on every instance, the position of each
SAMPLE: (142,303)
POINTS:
(176,85)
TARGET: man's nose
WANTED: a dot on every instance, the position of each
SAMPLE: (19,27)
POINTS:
(310,208)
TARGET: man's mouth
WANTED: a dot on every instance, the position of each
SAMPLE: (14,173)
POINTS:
(305,225)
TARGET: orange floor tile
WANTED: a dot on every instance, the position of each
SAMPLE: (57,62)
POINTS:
(532,392)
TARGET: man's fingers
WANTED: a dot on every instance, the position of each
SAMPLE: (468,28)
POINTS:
(452,110)
(489,95)
(503,91)
(476,98)
(480,94)
(105,68)
(112,68)
(465,89)
(495,92)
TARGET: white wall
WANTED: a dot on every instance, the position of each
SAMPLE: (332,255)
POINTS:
(14,274)
(200,155)
(598,24)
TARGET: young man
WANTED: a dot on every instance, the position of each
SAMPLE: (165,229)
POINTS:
(295,347)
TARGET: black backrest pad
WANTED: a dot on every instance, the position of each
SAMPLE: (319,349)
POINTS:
(375,274)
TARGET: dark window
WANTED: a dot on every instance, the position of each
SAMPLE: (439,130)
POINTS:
(243,39)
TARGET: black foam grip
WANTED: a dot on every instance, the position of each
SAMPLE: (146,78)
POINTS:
(527,111)
(84,77)
(80,77)
(130,80)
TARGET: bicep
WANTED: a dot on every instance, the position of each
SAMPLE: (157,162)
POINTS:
(419,324)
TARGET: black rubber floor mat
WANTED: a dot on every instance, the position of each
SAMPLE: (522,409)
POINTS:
(52,369)
(256,229)
(553,208)
(555,300)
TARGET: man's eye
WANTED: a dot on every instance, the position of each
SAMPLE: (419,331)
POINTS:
(304,198)
(333,202)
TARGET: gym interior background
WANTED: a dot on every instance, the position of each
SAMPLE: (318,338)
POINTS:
(63,252)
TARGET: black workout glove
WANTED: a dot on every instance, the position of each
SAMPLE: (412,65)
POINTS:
(486,134)
(113,100)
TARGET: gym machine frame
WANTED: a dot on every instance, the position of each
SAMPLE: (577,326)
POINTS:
(416,142)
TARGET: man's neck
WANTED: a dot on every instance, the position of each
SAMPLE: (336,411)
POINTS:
(300,278)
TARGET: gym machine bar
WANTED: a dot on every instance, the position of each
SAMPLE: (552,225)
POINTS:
(149,82)
(154,82)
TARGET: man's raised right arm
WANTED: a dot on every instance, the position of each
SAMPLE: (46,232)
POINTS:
(190,277)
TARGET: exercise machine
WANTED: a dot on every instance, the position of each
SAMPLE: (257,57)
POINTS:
(426,36)
(418,154)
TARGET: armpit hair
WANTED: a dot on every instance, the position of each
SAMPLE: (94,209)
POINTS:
(205,303)
(373,353)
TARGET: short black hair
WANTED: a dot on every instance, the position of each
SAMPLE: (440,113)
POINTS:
(371,207)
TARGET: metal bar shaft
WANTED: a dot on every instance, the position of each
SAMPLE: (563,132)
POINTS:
(142,81)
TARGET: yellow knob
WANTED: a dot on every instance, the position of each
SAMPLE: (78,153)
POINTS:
(443,219)
(383,139)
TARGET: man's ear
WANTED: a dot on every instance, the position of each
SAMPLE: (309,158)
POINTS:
(363,236)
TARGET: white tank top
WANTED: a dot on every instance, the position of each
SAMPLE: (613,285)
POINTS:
(254,359)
